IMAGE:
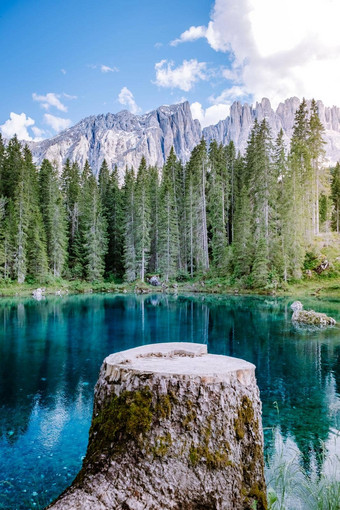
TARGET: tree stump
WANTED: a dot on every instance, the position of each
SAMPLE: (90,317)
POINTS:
(173,428)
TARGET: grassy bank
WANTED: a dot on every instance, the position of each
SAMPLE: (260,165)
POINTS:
(325,247)
(317,285)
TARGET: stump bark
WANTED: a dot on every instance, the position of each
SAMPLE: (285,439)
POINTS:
(173,428)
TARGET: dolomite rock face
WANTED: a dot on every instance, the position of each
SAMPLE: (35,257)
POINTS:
(123,138)
(173,428)
(237,126)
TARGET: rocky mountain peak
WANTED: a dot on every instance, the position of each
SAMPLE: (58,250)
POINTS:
(123,138)
(237,125)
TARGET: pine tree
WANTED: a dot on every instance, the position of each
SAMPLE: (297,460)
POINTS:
(104,184)
(317,152)
(17,186)
(169,243)
(301,182)
(70,185)
(218,206)
(283,218)
(325,212)
(9,242)
(112,203)
(335,195)
(301,169)
(190,212)
(263,185)
(260,265)
(12,168)
(242,238)
(21,215)
(54,218)
(196,210)
(36,245)
(3,201)
(154,200)
(179,180)
(130,263)
(230,187)
(93,227)
(2,161)
(242,255)
(142,219)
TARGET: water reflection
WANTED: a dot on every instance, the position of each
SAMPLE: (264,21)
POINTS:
(51,351)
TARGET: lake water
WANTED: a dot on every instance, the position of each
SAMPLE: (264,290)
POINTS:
(51,352)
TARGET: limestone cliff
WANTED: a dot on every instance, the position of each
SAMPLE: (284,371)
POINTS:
(173,428)
(123,138)
(237,125)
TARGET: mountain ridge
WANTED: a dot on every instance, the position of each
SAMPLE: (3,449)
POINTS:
(123,138)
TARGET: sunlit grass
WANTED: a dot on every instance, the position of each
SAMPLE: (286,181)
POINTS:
(290,487)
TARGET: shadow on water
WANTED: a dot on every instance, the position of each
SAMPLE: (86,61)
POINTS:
(51,352)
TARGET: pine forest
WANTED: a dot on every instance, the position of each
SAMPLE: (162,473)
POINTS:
(251,218)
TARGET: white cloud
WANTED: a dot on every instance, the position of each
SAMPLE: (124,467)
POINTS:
(278,48)
(192,34)
(107,69)
(182,77)
(63,71)
(126,98)
(56,123)
(234,93)
(17,124)
(38,133)
(211,115)
(51,99)
(104,68)
(68,96)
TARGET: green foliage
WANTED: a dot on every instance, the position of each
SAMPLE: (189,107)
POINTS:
(112,207)
(335,195)
(247,220)
(71,188)
(54,218)
(142,220)
(218,202)
(312,260)
(289,484)
(93,228)
(168,224)
(196,210)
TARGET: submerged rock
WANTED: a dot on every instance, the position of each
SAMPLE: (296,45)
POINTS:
(310,317)
(296,306)
(173,428)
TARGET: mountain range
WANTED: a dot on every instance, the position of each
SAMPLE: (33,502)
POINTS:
(123,138)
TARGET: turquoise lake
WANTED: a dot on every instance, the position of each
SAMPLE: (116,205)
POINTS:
(51,352)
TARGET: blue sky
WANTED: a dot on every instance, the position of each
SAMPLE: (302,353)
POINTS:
(64,60)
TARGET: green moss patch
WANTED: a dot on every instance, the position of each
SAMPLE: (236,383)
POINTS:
(245,418)
(204,453)
(124,418)
(162,445)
